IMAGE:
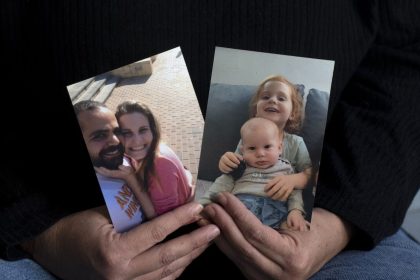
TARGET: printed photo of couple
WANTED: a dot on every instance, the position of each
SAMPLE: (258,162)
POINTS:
(261,141)
(143,127)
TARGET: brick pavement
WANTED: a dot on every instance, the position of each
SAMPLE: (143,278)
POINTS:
(170,95)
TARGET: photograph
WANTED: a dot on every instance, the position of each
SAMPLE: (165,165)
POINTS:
(143,128)
(263,134)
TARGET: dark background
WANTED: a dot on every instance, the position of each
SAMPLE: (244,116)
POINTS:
(50,44)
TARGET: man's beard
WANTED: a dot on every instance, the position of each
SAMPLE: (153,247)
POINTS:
(110,163)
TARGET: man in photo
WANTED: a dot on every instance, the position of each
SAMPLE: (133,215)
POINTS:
(128,205)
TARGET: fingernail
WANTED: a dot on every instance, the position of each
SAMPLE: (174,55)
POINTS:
(203,222)
(209,211)
(213,232)
(221,199)
(197,208)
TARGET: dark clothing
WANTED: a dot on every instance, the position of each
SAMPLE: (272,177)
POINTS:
(371,156)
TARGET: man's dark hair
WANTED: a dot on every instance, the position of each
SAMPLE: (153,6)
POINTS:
(87,105)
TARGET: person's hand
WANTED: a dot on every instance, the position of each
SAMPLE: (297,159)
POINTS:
(229,161)
(295,221)
(86,246)
(261,252)
(280,187)
(126,173)
(123,172)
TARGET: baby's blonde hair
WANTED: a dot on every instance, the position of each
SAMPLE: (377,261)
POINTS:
(254,124)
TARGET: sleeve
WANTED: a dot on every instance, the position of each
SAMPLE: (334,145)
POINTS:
(371,158)
(38,181)
(295,201)
(167,187)
(30,203)
(221,184)
(303,161)
(295,151)
(27,217)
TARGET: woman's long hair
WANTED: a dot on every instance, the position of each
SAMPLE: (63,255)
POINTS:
(147,166)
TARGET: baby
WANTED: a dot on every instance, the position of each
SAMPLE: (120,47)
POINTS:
(261,148)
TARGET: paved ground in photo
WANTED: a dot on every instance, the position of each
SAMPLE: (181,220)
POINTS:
(170,95)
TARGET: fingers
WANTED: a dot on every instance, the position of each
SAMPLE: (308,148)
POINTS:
(229,161)
(274,192)
(278,194)
(236,158)
(111,173)
(203,222)
(225,168)
(236,219)
(126,169)
(275,188)
(271,183)
(168,258)
(173,270)
(278,190)
(101,170)
(296,225)
(296,221)
(267,241)
(230,231)
(283,194)
(234,242)
(148,234)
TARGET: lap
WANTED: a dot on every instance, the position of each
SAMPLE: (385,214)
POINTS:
(396,257)
(23,269)
(270,212)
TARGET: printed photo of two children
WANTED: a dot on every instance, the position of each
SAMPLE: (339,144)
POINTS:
(261,141)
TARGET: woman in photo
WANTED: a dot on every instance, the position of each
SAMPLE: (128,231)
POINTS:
(158,169)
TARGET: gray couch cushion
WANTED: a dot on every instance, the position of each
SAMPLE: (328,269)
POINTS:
(314,123)
(228,109)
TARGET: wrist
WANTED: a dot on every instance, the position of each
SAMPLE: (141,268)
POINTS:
(330,223)
(297,211)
